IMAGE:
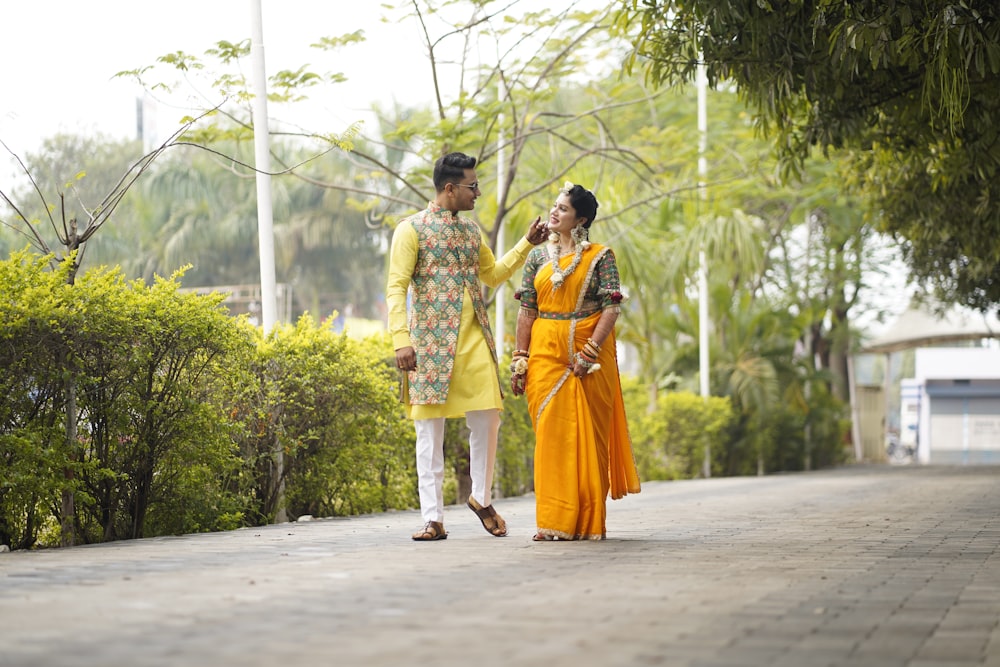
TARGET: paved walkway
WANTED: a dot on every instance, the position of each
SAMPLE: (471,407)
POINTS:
(873,565)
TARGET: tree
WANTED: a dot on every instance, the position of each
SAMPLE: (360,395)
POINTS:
(532,103)
(909,86)
(66,219)
(147,359)
(79,171)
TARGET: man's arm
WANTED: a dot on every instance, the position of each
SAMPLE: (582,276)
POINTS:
(402,261)
(493,272)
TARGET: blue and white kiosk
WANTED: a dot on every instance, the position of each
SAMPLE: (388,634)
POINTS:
(958,399)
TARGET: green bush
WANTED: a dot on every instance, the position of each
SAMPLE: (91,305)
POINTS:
(107,423)
(515,467)
(792,435)
(669,441)
(147,359)
(35,465)
(331,404)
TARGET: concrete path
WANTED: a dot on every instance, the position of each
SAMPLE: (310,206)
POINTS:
(875,565)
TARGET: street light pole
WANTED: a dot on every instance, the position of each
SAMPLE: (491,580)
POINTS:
(265,220)
(262,161)
(501,294)
(703,314)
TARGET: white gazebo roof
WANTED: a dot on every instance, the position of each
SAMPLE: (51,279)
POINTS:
(921,326)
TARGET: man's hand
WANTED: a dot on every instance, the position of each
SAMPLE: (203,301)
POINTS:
(538,232)
(406,359)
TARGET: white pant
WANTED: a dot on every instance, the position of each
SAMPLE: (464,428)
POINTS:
(483,426)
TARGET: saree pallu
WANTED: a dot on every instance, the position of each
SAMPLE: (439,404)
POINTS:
(583,451)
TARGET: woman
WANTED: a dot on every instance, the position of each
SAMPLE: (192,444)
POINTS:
(567,367)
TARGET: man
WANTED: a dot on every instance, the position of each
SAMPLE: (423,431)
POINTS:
(446,349)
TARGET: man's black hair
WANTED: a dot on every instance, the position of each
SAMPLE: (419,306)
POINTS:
(451,169)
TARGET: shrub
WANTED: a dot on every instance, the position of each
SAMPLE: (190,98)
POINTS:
(331,405)
(669,441)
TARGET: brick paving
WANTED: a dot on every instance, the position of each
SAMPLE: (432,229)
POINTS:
(879,566)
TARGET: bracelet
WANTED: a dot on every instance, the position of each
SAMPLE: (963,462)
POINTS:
(588,354)
(591,366)
(520,353)
(519,366)
(594,343)
(591,351)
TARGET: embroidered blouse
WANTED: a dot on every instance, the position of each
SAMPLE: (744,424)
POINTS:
(603,291)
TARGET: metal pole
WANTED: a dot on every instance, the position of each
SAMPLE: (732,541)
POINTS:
(501,324)
(262,158)
(265,220)
(703,314)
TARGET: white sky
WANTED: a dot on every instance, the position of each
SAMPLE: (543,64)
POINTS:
(58,59)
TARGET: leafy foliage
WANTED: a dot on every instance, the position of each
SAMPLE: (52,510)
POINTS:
(180,410)
(150,444)
(146,359)
(670,441)
(34,452)
(908,86)
(331,406)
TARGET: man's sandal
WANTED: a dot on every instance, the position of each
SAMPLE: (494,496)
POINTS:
(492,522)
(432,530)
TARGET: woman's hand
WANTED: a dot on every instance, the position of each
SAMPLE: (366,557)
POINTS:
(582,368)
(519,372)
(517,383)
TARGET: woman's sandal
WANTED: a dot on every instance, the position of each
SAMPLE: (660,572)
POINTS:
(541,537)
(432,530)
(492,522)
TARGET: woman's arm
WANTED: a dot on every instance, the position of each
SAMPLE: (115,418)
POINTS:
(522,337)
(607,290)
(605,325)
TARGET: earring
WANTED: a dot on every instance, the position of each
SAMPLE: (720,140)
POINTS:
(579,234)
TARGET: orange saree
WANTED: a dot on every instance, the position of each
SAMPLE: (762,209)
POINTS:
(583,451)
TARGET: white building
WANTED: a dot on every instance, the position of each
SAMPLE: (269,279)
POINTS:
(950,410)
(958,393)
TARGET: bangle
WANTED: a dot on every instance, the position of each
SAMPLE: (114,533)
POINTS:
(520,353)
(591,366)
(594,352)
(588,354)
(594,343)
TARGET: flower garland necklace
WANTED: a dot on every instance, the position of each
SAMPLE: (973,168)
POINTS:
(581,242)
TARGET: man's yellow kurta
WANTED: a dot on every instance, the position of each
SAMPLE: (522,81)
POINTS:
(474,384)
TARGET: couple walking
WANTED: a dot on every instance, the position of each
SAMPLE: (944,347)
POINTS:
(565,362)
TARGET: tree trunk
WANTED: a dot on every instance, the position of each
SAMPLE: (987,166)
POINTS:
(67,536)
(840,335)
